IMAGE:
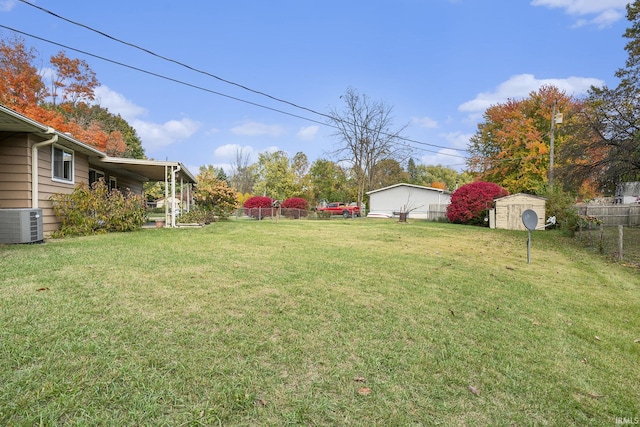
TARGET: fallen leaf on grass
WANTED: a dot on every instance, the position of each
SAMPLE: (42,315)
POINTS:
(474,390)
(594,395)
(584,360)
(364,391)
(360,379)
(536,323)
(597,338)
(452,313)
(508,267)
(261,402)
(42,289)
(636,341)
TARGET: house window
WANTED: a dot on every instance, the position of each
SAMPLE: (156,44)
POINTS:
(62,164)
(95,176)
(113,183)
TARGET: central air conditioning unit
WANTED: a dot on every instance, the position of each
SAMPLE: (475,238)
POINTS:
(21,226)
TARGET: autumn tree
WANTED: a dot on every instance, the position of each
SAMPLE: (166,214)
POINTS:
(511,146)
(471,202)
(72,80)
(214,194)
(20,84)
(609,152)
(22,89)
(368,136)
(86,115)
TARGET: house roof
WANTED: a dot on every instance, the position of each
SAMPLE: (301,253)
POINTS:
(510,196)
(520,194)
(150,170)
(154,170)
(12,121)
(421,187)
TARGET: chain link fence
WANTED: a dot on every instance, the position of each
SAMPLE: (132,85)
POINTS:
(621,243)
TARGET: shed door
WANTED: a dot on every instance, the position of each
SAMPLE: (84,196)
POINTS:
(514,217)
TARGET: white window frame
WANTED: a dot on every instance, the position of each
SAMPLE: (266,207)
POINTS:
(71,170)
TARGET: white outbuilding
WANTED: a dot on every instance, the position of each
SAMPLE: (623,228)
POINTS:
(417,201)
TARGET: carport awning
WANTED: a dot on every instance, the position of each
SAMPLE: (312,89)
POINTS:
(153,170)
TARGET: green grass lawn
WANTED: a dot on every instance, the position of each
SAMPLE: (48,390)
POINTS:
(316,323)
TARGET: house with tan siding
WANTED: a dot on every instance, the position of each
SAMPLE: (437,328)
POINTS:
(36,161)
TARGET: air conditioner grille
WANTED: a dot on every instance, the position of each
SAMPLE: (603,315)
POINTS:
(33,220)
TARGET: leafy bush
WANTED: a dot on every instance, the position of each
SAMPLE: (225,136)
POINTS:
(471,202)
(258,207)
(562,206)
(323,214)
(294,207)
(198,214)
(96,209)
(215,195)
(295,203)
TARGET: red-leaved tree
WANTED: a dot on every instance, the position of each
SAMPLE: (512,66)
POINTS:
(294,207)
(471,202)
(258,206)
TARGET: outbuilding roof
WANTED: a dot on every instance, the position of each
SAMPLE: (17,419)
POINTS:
(421,187)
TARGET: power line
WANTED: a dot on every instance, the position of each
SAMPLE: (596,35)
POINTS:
(292,104)
(206,73)
(171,79)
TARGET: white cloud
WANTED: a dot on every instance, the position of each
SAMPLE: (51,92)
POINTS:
(606,11)
(116,103)
(308,133)
(271,149)
(257,129)
(458,139)
(7,5)
(228,152)
(445,157)
(521,85)
(424,122)
(154,135)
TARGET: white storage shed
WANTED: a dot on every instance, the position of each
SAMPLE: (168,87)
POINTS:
(420,202)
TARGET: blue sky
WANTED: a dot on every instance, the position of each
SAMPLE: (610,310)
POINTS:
(438,63)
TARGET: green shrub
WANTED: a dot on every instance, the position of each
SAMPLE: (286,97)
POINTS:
(562,205)
(96,209)
(198,214)
(323,214)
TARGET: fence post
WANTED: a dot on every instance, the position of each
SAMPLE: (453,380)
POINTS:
(601,244)
(620,240)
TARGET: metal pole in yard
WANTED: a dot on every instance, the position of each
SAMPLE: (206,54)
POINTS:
(620,240)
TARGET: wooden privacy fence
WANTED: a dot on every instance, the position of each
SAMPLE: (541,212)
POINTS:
(612,215)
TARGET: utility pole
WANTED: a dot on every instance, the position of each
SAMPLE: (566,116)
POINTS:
(551,143)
